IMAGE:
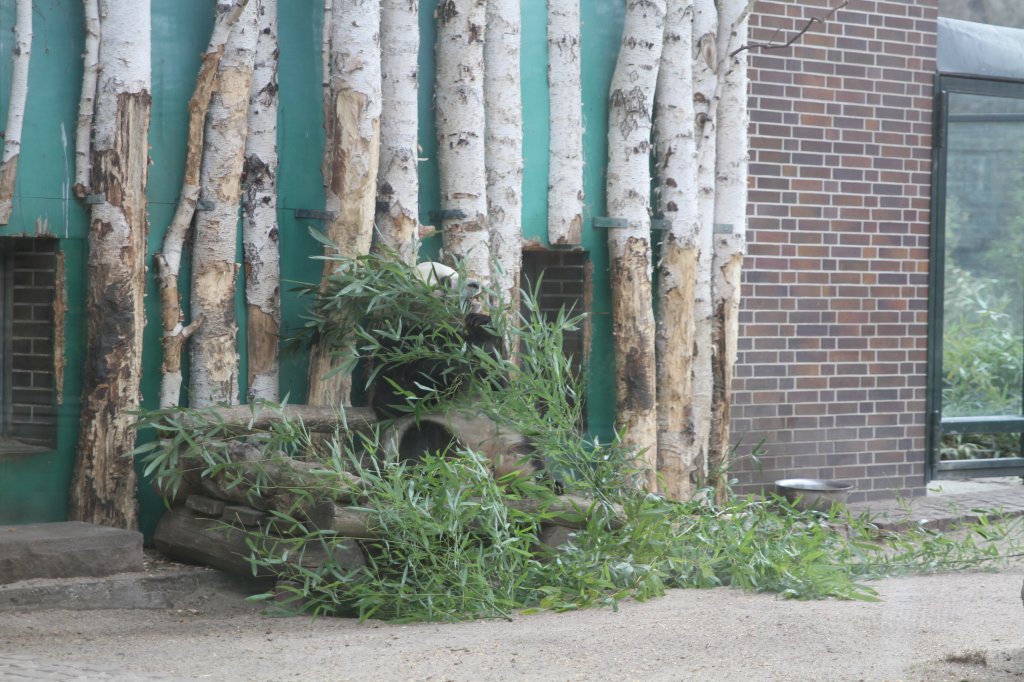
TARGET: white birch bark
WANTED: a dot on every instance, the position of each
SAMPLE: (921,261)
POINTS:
(630,110)
(214,371)
(731,219)
(397,179)
(16,106)
(103,483)
(259,215)
(87,100)
(565,93)
(459,104)
(504,148)
(705,80)
(351,161)
(677,202)
(168,261)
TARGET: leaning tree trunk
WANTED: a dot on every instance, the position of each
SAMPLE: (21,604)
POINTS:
(168,261)
(630,107)
(705,79)
(259,216)
(103,483)
(677,201)
(214,375)
(397,179)
(351,162)
(504,148)
(565,155)
(459,103)
(87,100)
(731,227)
(16,106)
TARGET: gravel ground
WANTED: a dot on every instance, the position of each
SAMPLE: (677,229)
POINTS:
(966,626)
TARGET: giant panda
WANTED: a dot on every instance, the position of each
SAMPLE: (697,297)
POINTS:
(425,377)
(407,438)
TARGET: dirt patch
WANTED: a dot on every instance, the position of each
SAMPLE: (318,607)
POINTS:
(945,627)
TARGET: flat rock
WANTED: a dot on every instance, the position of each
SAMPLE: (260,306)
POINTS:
(67,550)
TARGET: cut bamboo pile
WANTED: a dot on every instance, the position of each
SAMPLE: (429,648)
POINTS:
(212,515)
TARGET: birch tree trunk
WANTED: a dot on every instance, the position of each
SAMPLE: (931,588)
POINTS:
(731,220)
(351,161)
(214,371)
(504,148)
(87,100)
(103,482)
(565,93)
(459,104)
(168,261)
(16,106)
(397,180)
(705,80)
(677,201)
(630,109)
(259,216)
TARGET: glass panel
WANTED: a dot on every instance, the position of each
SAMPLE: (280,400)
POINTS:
(983,315)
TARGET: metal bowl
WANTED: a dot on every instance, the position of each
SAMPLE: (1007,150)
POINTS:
(813,493)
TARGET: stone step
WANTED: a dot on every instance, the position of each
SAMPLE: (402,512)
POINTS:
(67,549)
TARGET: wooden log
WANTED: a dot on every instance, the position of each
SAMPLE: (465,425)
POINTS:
(567,511)
(186,537)
(205,506)
(314,418)
(277,483)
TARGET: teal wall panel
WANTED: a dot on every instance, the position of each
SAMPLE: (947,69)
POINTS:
(33,487)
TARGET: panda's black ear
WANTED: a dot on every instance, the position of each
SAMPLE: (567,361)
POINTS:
(477,321)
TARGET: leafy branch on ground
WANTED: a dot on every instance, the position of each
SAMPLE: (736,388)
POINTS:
(450,546)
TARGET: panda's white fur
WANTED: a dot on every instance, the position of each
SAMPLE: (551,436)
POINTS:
(440,275)
(437,274)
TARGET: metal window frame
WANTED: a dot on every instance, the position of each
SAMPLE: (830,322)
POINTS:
(936,425)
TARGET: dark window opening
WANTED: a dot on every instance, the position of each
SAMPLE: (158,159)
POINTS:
(561,279)
(27,278)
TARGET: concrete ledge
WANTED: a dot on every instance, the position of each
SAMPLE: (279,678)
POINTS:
(183,587)
(67,550)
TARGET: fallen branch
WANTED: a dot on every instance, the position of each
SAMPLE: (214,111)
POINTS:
(772,45)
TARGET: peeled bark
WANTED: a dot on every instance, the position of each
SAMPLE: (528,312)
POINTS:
(397,179)
(565,93)
(731,220)
(214,375)
(459,103)
(504,148)
(351,162)
(168,261)
(103,482)
(705,79)
(677,201)
(87,100)
(630,108)
(16,106)
(259,217)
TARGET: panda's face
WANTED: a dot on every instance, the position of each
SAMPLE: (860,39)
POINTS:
(444,277)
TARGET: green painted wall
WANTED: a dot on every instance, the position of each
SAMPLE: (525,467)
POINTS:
(34,487)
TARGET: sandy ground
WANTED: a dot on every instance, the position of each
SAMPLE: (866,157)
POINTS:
(966,626)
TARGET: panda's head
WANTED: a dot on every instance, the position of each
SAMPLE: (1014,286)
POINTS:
(442,276)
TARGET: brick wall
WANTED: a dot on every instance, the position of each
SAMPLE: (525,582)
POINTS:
(831,372)
(563,280)
(30,412)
